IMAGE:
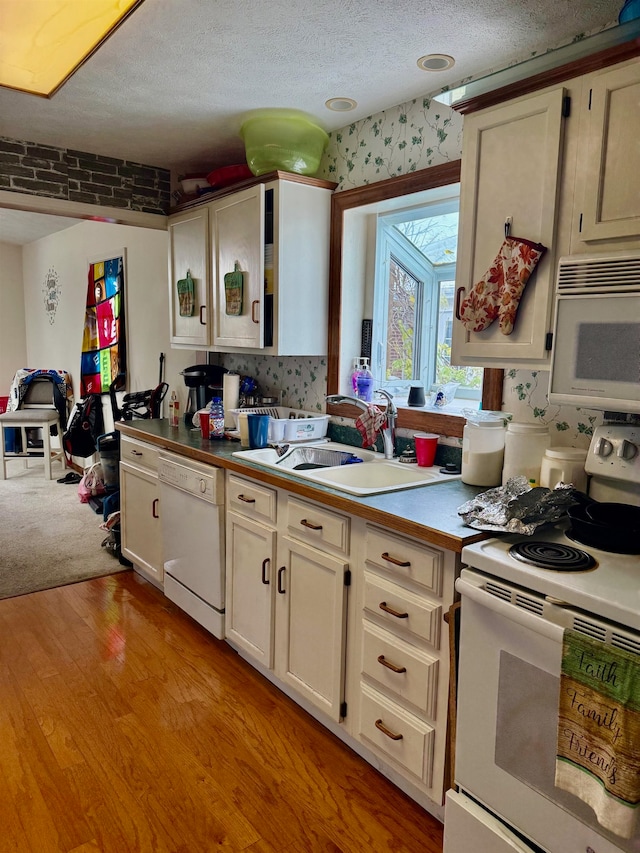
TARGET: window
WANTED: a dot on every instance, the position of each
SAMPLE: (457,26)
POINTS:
(414,286)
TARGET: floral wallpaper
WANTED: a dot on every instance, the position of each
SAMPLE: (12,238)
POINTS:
(402,139)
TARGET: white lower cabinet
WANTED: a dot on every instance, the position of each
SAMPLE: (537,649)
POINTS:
(140,502)
(347,618)
(401,673)
(286,598)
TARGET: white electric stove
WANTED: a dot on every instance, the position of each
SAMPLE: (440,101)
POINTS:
(513,617)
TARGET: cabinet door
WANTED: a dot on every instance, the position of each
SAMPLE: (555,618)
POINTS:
(311,624)
(611,170)
(237,236)
(250,582)
(141,532)
(510,171)
(189,252)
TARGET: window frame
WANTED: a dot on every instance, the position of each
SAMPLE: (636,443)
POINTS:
(341,202)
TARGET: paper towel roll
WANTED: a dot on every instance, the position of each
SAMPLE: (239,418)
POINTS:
(230,397)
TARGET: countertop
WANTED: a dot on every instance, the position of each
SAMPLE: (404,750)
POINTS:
(429,513)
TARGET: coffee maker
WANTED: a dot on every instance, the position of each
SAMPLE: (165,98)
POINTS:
(203,381)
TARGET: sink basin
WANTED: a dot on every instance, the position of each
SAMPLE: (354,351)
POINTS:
(373,475)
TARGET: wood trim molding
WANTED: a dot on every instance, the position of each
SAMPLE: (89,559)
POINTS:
(555,76)
(413,182)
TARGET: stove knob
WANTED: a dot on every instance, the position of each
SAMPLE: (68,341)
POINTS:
(603,447)
(627,450)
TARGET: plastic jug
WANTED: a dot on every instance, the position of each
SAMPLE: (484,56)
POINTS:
(564,465)
(482,448)
(524,448)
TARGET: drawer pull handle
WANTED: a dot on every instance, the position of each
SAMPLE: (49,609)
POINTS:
(281,589)
(391,666)
(403,563)
(385,731)
(459,294)
(203,309)
(246,500)
(384,606)
(255,304)
(136,453)
(310,524)
(154,508)
(265,563)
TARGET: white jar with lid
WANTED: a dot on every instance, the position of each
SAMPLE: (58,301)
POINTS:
(482,452)
(564,465)
(524,447)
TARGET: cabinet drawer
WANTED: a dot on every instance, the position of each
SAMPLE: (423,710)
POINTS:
(408,672)
(402,610)
(138,453)
(406,559)
(317,525)
(397,733)
(251,499)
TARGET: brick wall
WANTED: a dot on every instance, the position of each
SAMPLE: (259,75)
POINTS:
(43,170)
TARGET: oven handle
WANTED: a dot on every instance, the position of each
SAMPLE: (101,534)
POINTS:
(538,624)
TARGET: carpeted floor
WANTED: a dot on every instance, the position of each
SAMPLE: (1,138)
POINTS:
(47,537)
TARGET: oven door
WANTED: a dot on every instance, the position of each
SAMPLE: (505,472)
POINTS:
(507,719)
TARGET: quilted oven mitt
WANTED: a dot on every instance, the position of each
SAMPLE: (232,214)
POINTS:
(498,293)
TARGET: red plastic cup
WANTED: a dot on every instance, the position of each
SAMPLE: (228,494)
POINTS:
(204,424)
(426,443)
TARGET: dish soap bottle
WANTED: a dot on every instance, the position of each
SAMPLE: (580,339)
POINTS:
(364,382)
(354,375)
(216,418)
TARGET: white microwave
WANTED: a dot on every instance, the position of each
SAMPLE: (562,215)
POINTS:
(595,357)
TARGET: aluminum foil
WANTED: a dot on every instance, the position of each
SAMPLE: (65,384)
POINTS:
(516,507)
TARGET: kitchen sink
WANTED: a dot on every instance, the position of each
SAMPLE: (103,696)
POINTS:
(330,465)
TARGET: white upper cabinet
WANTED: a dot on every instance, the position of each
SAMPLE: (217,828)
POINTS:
(608,176)
(189,257)
(274,235)
(572,184)
(237,228)
(510,172)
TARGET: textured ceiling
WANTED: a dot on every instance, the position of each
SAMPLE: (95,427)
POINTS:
(169,88)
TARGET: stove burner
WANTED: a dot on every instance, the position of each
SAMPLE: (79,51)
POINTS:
(552,555)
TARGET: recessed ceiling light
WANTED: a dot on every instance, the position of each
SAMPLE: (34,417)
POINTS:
(44,43)
(341,105)
(436,62)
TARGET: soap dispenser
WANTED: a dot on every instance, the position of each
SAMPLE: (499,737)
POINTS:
(364,382)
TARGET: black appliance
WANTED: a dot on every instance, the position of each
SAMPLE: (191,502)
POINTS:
(204,381)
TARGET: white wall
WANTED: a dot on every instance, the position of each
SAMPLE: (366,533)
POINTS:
(58,344)
(13,344)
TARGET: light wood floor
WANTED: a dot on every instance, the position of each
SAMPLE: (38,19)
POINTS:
(125,727)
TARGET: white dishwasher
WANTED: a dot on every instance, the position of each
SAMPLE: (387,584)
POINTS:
(192,500)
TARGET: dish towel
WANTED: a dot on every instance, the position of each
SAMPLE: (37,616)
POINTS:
(598,757)
(369,424)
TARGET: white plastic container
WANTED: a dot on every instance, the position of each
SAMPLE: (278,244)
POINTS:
(564,465)
(290,424)
(483,452)
(524,447)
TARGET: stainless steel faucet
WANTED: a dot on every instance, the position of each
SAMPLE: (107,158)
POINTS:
(388,430)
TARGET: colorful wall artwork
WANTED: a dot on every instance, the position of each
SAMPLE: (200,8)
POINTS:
(104,340)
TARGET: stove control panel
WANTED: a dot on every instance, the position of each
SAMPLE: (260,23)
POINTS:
(614,453)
